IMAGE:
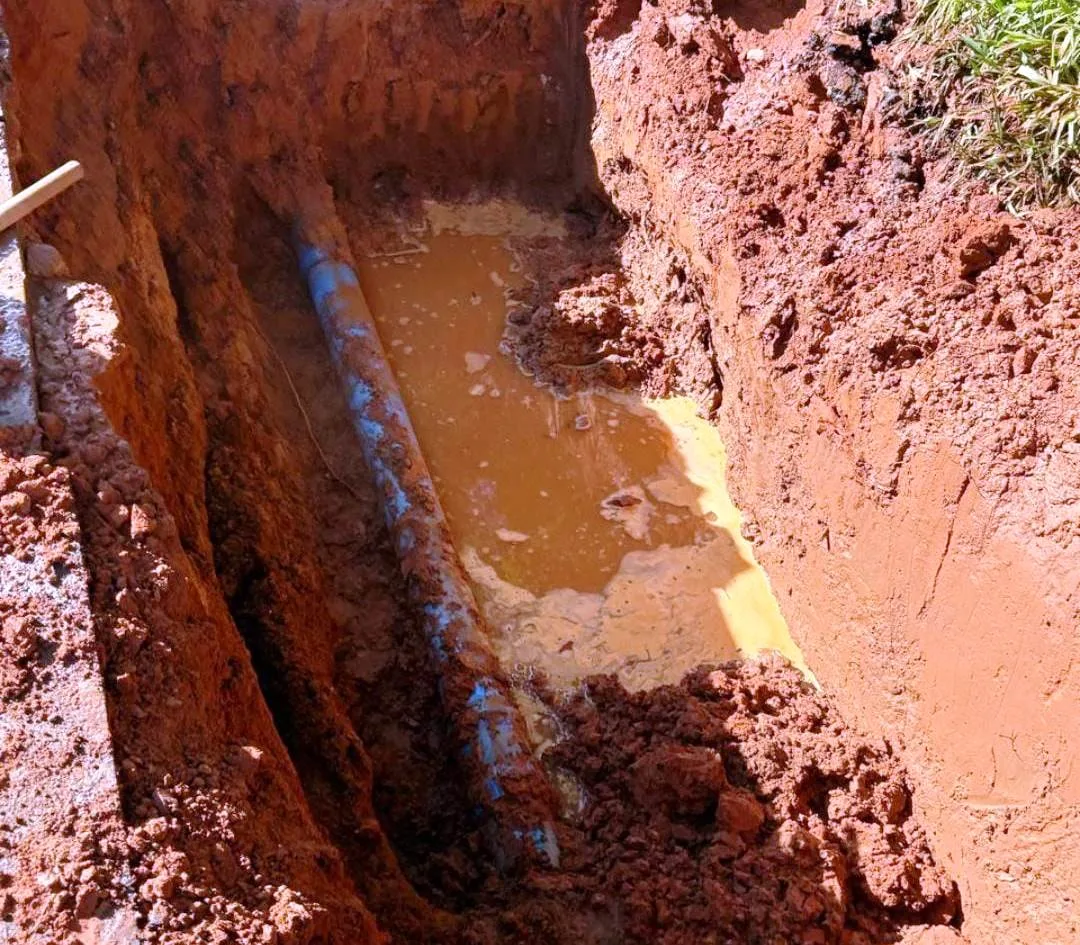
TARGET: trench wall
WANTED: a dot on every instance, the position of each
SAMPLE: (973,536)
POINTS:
(923,595)
(178,111)
(201,126)
(934,593)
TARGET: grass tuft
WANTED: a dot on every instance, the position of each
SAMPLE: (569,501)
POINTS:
(1002,90)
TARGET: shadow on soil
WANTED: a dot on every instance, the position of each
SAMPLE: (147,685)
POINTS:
(760,15)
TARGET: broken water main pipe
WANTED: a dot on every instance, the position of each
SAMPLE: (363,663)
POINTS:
(511,792)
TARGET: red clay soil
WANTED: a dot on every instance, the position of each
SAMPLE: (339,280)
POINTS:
(56,749)
(736,807)
(216,838)
(231,671)
(280,770)
(890,360)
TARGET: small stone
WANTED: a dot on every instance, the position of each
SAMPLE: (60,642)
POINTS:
(624,499)
(582,422)
(740,812)
(107,494)
(93,453)
(160,887)
(142,522)
(981,247)
(10,371)
(957,289)
(682,29)
(164,801)
(125,600)
(159,913)
(49,880)
(684,781)
(1022,362)
(45,262)
(20,637)
(727,845)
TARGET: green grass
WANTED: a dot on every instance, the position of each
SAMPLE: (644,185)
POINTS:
(1002,90)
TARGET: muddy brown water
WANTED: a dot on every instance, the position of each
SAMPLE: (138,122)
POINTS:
(597,530)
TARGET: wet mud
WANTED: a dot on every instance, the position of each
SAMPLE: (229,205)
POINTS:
(596,528)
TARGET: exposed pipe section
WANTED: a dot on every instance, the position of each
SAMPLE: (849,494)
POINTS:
(506,783)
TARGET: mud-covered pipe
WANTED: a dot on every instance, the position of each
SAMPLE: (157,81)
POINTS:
(511,791)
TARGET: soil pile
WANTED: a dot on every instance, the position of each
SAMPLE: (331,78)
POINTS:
(737,807)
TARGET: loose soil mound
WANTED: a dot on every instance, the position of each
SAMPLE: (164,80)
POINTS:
(738,807)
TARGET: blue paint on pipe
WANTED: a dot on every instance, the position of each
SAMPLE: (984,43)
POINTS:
(323,282)
(437,623)
(478,698)
(397,502)
(382,423)
(346,277)
(544,841)
(406,541)
(486,743)
(308,257)
(361,396)
(507,744)
(371,429)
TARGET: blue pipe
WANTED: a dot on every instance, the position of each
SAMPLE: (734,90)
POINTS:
(511,792)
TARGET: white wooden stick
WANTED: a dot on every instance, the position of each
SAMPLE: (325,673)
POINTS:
(27,201)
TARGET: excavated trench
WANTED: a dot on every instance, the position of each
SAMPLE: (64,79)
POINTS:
(283,761)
